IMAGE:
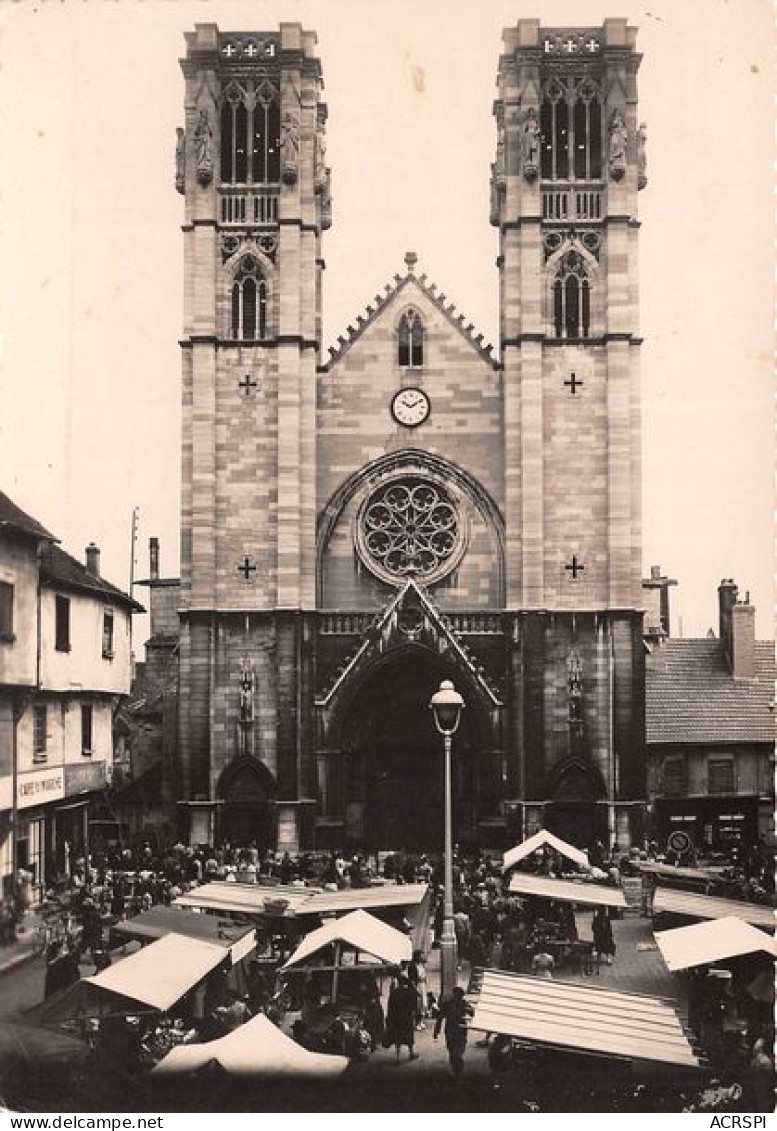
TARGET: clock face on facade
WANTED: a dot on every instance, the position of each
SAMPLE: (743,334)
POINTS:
(410,407)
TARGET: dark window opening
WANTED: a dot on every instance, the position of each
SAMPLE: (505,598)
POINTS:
(227,140)
(720,773)
(571,131)
(674,777)
(249,302)
(410,341)
(39,728)
(571,299)
(546,140)
(108,634)
(62,624)
(86,728)
(6,610)
(250,135)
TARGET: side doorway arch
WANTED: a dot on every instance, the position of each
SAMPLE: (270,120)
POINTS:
(246,790)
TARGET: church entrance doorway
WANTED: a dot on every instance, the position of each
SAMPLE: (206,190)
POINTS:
(245,789)
(574,813)
(393,761)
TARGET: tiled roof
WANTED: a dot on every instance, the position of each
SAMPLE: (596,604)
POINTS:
(59,570)
(691,695)
(15,518)
(391,290)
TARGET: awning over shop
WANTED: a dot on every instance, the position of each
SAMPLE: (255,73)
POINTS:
(567,891)
(543,839)
(351,899)
(257,1048)
(246,899)
(235,938)
(360,931)
(712,941)
(711,907)
(161,974)
(585,1018)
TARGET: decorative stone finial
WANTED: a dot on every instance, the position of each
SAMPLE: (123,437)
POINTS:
(410,261)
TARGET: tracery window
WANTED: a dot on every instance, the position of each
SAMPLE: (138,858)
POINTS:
(571,298)
(410,340)
(249,301)
(250,134)
(410,527)
(571,131)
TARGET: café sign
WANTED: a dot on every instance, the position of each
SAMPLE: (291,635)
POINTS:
(40,787)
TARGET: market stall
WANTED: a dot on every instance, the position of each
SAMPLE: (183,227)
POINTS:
(541,840)
(404,906)
(257,1048)
(713,941)
(237,939)
(583,1018)
(566,891)
(693,906)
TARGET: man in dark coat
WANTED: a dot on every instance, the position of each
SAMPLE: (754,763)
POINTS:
(401,1016)
(454,1012)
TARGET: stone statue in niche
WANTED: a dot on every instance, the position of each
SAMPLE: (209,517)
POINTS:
(642,156)
(320,167)
(619,137)
(246,694)
(575,692)
(180,160)
(289,147)
(530,144)
(203,149)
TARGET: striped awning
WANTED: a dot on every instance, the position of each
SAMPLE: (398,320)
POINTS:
(588,1019)
(711,907)
(566,891)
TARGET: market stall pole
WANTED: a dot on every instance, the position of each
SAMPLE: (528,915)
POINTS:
(447,706)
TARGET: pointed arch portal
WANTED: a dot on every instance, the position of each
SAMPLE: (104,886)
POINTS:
(392,783)
(246,789)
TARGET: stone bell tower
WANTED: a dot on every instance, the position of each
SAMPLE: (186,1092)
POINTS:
(250,163)
(569,163)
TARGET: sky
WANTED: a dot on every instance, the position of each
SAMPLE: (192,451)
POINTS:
(92,253)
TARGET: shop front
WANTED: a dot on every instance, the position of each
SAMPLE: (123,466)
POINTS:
(714,824)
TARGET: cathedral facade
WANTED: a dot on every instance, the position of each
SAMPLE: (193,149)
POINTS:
(356,528)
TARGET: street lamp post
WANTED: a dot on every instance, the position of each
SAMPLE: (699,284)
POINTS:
(447,706)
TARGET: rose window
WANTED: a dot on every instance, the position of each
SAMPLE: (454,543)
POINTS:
(410,528)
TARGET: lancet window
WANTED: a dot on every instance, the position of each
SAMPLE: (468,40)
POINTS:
(410,340)
(249,302)
(571,298)
(571,130)
(250,134)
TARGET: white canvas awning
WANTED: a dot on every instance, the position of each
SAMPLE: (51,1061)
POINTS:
(360,931)
(697,906)
(160,974)
(351,899)
(567,891)
(236,938)
(257,1048)
(245,899)
(712,941)
(586,1018)
(543,839)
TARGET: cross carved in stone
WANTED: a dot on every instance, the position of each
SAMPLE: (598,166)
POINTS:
(573,384)
(246,567)
(229,50)
(247,385)
(250,50)
(592,46)
(575,567)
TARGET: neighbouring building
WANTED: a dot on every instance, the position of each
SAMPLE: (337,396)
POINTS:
(65,666)
(710,726)
(413,507)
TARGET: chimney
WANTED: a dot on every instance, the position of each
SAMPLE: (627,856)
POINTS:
(727,598)
(153,558)
(656,590)
(743,640)
(93,559)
